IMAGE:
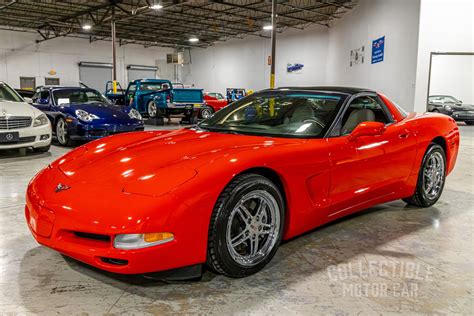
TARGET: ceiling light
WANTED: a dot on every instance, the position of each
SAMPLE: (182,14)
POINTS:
(156,6)
(268,27)
(194,39)
(86,27)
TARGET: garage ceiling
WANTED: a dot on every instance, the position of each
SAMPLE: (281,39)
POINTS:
(170,26)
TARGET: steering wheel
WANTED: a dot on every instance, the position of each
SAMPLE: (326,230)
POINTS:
(315,120)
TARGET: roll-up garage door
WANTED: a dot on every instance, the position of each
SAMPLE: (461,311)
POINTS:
(141,72)
(95,75)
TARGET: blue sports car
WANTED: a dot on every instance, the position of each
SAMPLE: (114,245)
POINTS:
(84,114)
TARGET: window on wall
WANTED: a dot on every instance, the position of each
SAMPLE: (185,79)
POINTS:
(28,83)
(51,81)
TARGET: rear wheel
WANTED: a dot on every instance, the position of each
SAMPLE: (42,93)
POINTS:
(431,178)
(152,109)
(62,133)
(469,122)
(246,226)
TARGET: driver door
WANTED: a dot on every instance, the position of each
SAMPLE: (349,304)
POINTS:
(368,169)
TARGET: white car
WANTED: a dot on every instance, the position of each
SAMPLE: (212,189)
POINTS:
(21,125)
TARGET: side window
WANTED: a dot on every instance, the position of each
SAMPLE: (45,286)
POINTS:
(42,94)
(363,109)
(131,89)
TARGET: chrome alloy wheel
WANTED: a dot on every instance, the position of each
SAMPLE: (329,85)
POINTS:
(206,113)
(253,228)
(61,131)
(152,110)
(433,175)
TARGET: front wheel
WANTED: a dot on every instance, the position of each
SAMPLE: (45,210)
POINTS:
(469,122)
(206,112)
(431,178)
(246,226)
(61,132)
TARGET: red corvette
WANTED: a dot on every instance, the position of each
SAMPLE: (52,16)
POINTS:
(270,166)
(215,102)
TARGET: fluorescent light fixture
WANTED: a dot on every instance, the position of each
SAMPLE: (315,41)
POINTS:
(86,27)
(268,27)
(156,6)
(194,39)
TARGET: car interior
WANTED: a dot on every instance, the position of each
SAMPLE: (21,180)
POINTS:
(362,109)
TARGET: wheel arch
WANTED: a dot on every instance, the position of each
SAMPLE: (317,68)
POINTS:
(273,176)
(442,142)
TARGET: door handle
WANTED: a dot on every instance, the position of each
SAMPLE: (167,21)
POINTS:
(404,135)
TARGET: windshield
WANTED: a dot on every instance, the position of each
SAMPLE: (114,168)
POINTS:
(153,86)
(67,96)
(8,94)
(289,114)
(444,99)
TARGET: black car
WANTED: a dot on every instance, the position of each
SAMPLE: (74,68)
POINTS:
(453,107)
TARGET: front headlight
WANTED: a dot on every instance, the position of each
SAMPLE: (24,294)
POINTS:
(448,108)
(138,241)
(41,120)
(86,116)
(134,114)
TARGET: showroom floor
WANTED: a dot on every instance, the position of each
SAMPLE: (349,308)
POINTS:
(427,257)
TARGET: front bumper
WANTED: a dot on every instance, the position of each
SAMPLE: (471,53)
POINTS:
(82,222)
(30,137)
(80,131)
(463,116)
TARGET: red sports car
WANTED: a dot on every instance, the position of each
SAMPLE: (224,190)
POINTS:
(270,166)
(214,102)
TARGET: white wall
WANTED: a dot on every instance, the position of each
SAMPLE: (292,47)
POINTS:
(325,54)
(244,63)
(21,56)
(453,75)
(397,20)
(445,26)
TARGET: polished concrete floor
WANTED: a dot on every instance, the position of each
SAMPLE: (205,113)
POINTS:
(389,259)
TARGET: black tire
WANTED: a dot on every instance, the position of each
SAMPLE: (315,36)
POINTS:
(43,149)
(205,112)
(420,198)
(66,140)
(218,256)
(469,122)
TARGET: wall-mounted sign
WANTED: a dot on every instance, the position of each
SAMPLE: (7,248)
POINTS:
(52,72)
(378,47)
(294,68)
(357,56)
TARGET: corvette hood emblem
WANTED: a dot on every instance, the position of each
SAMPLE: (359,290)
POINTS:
(3,112)
(61,187)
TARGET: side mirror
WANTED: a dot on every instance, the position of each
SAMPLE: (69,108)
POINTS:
(368,129)
(42,101)
(28,100)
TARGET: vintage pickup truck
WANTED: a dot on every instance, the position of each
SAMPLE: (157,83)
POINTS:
(158,98)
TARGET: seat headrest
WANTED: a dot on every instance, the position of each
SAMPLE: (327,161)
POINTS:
(356,117)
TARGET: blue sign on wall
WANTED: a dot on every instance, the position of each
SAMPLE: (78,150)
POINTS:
(378,50)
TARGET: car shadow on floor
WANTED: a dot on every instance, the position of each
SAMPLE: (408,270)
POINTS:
(296,260)
(21,154)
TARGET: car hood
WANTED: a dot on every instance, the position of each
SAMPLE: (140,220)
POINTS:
(165,158)
(18,109)
(103,111)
